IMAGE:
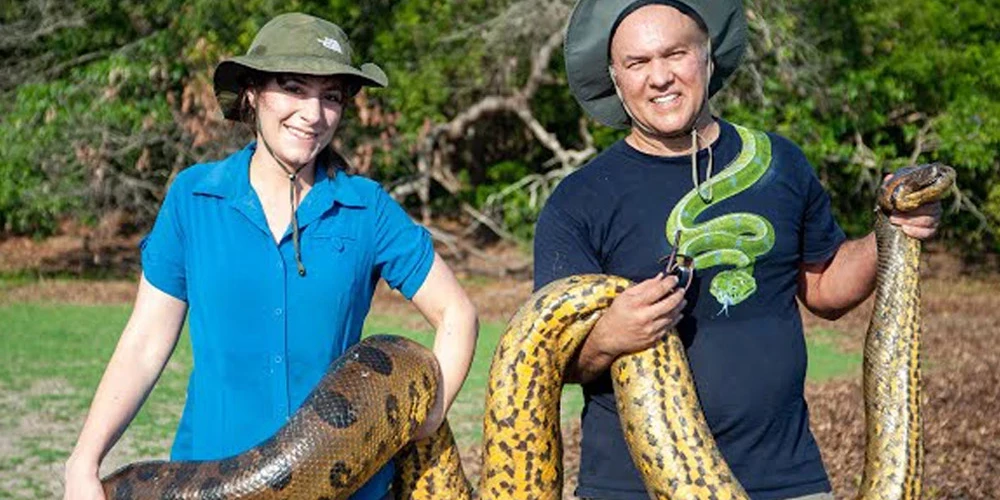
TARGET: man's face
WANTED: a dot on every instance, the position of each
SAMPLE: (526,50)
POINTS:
(659,61)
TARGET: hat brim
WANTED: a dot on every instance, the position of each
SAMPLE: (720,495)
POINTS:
(230,75)
(588,36)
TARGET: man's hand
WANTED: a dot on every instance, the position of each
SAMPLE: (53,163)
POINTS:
(639,316)
(921,223)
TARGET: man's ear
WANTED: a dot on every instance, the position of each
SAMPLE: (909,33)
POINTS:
(709,64)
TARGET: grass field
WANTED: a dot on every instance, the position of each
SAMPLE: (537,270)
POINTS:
(52,357)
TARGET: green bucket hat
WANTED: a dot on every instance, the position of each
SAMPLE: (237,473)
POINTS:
(292,43)
(588,39)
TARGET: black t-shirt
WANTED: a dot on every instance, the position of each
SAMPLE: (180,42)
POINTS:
(748,358)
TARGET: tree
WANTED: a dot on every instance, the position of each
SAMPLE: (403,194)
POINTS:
(102,102)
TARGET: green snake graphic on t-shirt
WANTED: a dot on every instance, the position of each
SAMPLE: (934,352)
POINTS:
(735,239)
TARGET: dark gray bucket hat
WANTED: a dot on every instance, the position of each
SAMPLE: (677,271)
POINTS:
(588,38)
(293,43)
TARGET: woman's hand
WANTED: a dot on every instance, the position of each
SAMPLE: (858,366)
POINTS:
(82,483)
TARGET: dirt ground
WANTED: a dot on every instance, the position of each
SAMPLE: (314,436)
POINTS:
(961,352)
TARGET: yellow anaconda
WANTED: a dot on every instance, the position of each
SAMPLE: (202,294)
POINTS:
(367,406)
(374,397)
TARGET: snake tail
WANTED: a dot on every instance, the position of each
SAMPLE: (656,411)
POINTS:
(431,469)
(367,406)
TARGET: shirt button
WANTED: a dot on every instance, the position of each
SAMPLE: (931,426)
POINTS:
(277,359)
(277,312)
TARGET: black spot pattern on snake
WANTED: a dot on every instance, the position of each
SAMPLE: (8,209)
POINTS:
(339,474)
(123,491)
(145,473)
(281,478)
(392,409)
(185,471)
(212,489)
(229,466)
(335,409)
(375,359)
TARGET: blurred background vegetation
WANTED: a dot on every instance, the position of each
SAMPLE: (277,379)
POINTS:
(102,102)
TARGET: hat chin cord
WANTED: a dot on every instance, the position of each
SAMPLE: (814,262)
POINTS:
(706,195)
(293,175)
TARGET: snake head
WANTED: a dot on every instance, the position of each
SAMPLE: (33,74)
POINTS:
(911,187)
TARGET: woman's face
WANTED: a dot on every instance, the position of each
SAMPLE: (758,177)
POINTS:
(659,61)
(298,115)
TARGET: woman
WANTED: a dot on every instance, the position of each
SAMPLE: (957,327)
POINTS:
(275,252)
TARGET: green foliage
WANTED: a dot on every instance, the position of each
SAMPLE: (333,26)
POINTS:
(96,115)
(520,209)
(862,85)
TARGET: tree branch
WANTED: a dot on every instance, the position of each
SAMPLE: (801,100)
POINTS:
(440,137)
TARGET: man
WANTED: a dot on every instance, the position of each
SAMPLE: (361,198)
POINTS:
(745,205)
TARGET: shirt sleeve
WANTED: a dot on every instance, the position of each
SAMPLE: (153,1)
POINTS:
(162,250)
(562,246)
(821,235)
(404,250)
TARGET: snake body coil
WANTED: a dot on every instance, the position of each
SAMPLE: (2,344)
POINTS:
(372,400)
(367,406)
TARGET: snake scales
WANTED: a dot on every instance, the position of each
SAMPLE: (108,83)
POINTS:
(373,398)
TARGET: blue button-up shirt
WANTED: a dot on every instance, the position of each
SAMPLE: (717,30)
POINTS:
(262,335)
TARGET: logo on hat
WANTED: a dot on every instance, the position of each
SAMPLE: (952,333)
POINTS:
(331,44)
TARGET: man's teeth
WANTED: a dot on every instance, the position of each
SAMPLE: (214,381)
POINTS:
(665,98)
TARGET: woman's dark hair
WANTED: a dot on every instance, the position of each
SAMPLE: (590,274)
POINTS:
(256,80)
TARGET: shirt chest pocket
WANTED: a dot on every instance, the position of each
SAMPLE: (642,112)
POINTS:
(334,254)
(332,243)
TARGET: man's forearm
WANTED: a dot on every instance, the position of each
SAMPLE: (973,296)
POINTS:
(590,361)
(847,280)
(588,364)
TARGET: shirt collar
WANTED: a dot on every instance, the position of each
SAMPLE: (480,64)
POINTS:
(230,178)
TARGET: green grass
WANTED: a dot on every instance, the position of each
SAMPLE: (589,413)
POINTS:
(827,360)
(52,357)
